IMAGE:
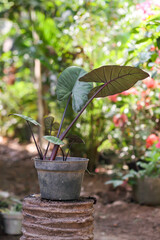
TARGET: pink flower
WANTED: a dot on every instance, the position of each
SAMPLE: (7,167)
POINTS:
(132,91)
(153,138)
(157,60)
(120,120)
(149,82)
(97,170)
(113,98)
(145,8)
(158,144)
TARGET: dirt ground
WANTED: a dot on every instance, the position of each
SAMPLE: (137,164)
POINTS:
(117,217)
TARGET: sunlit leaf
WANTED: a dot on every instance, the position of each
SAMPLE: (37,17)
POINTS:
(29,119)
(54,140)
(68,84)
(119,79)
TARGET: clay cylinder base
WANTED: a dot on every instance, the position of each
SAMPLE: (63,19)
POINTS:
(57,220)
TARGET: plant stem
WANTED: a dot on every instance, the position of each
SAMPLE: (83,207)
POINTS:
(38,149)
(55,149)
(82,110)
(44,157)
(59,130)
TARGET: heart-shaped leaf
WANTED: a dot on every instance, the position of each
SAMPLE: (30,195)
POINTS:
(29,119)
(74,139)
(55,126)
(115,79)
(54,140)
(48,123)
(68,83)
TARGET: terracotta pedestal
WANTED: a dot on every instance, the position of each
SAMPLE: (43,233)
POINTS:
(57,220)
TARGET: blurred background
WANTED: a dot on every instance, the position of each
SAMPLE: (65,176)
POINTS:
(38,40)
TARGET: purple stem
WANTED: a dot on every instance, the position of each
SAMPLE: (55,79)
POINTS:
(62,153)
(44,157)
(82,110)
(59,130)
(60,127)
(55,149)
(38,149)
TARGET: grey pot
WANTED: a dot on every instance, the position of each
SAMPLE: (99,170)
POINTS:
(147,191)
(12,223)
(61,180)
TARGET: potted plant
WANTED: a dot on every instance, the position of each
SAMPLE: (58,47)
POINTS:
(145,180)
(60,178)
(11,215)
(146,189)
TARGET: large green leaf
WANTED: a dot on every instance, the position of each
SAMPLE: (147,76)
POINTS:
(68,83)
(54,140)
(29,119)
(119,79)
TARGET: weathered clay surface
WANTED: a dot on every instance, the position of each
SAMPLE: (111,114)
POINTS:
(57,220)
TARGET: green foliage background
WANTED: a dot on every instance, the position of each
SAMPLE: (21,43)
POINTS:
(87,34)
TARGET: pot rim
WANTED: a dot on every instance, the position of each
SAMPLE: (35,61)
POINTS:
(13,215)
(59,159)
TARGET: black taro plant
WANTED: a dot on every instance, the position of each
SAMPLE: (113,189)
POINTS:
(76,84)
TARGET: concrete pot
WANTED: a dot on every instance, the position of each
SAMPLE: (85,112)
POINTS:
(147,191)
(12,223)
(61,180)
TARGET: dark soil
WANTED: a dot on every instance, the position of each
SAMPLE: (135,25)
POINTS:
(117,217)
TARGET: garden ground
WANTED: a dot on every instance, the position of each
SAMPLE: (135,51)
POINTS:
(117,217)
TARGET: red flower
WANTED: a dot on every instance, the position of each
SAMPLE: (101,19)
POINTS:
(120,120)
(152,49)
(151,140)
(144,102)
(145,93)
(149,82)
(139,105)
(113,98)
(132,91)
(158,144)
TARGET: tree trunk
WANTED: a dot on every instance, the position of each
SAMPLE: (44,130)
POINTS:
(92,155)
(38,79)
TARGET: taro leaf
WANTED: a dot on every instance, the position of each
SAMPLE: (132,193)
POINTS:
(55,126)
(48,123)
(68,84)
(119,79)
(29,119)
(74,139)
(54,140)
